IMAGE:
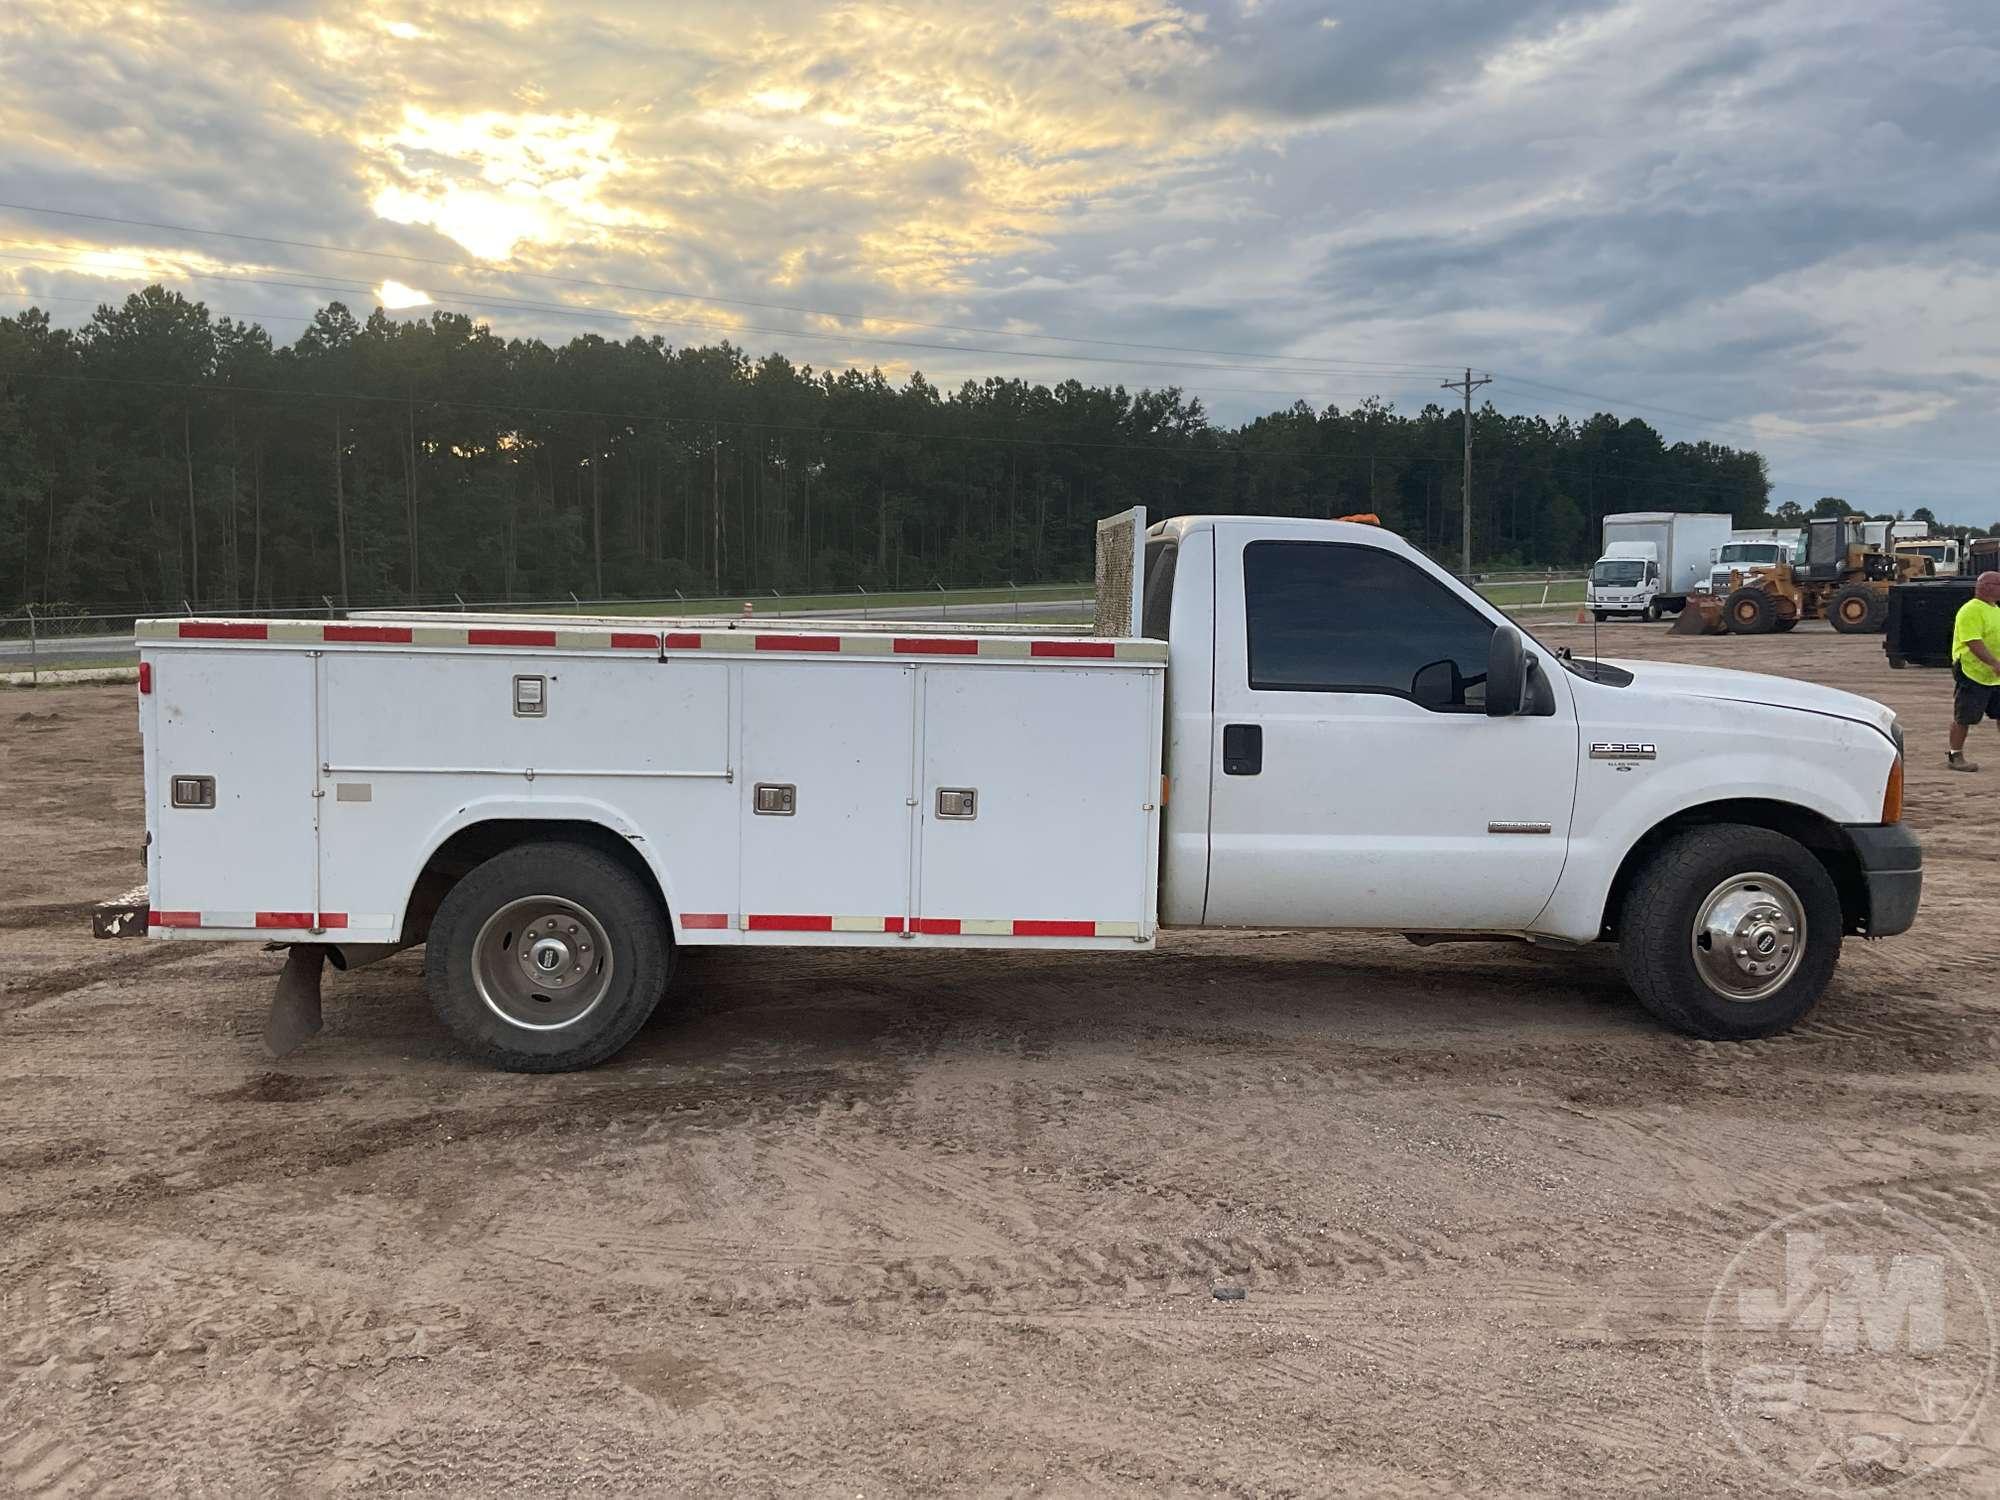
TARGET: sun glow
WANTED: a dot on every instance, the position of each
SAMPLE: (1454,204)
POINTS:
(395,296)
(492,180)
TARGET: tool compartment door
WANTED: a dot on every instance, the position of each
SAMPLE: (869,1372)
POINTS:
(245,719)
(1062,764)
(832,744)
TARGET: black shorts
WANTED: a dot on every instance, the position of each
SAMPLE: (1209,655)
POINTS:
(1972,701)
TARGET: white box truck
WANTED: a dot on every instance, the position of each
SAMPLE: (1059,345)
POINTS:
(1652,560)
(1290,723)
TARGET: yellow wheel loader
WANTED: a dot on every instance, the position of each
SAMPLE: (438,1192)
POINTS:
(1841,579)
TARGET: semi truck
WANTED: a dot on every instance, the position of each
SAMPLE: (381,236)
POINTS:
(1272,723)
(1652,561)
(1942,552)
(1753,551)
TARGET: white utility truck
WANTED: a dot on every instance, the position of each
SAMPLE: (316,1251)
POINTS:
(1752,551)
(1652,560)
(1275,723)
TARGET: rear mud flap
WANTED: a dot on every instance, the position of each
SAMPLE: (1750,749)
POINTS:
(295,1014)
(127,916)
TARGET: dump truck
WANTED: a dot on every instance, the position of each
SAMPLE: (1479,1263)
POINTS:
(1840,578)
(1272,723)
(1923,612)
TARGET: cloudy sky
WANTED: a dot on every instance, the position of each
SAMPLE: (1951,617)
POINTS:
(1764,222)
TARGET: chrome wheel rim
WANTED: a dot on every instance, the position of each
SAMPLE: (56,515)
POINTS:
(1749,937)
(542,963)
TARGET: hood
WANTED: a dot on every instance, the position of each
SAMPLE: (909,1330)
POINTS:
(1758,687)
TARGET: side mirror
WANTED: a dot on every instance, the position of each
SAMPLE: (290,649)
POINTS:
(1438,685)
(1506,674)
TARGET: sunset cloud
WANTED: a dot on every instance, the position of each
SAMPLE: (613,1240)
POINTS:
(1778,216)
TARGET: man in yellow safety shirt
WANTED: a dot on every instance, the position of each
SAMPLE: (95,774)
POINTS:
(1975,666)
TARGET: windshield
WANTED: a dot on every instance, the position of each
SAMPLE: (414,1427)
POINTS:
(1618,571)
(1750,552)
(1935,554)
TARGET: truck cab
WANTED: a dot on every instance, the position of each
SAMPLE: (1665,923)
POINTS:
(1356,739)
(1941,552)
(1748,554)
(1624,581)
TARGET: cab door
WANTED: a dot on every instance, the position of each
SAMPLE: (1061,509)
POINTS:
(1356,780)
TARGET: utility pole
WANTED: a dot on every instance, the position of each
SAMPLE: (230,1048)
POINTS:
(1467,385)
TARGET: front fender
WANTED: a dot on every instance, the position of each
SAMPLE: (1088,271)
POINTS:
(1834,769)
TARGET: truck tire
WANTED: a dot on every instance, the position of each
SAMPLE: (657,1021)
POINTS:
(547,957)
(1730,932)
(1751,612)
(1602,615)
(1857,610)
(1652,611)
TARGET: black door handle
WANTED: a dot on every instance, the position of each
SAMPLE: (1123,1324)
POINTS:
(1242,749)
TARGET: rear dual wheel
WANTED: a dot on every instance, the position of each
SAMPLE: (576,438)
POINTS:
(547,957)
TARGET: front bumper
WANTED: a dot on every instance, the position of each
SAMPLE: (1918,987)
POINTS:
(1892,869)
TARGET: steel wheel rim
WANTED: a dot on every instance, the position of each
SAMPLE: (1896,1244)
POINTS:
(542,963)
(1749,937)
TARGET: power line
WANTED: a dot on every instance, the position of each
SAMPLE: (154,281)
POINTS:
(1714,487)
(647,320)
(1355,366)
(689,296)
(1860,444)
(351,286)
(1295,392)
(1227,447)
(1468,386)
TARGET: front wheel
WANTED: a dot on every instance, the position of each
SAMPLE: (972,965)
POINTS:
(1652,611)
(547,957)
(1751,612)
(1602,615)
(1730,932)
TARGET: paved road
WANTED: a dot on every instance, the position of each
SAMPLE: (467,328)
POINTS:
(14,653)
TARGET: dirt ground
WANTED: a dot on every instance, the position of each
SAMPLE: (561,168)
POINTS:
(901,1224)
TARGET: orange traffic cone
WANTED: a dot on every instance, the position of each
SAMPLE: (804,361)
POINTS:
(1582,616)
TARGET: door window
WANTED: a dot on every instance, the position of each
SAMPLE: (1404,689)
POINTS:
(1331,617)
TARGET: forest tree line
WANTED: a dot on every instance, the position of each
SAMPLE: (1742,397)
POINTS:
(158,455)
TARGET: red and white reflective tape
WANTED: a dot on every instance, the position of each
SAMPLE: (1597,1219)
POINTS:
(1026,927)
(981,647)
(546,638)
(267,921)
(353,633)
